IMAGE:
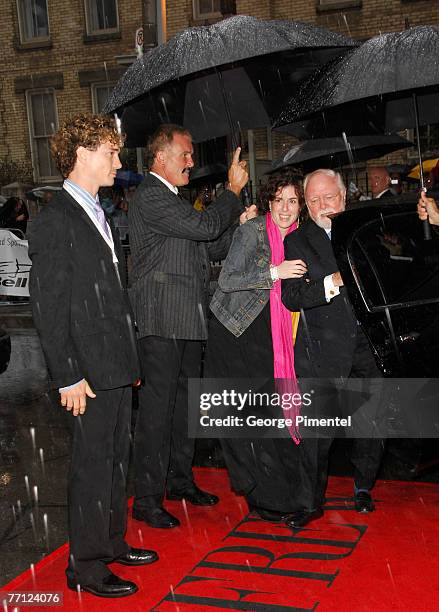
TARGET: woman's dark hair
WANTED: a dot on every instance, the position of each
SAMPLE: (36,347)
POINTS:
(276,181)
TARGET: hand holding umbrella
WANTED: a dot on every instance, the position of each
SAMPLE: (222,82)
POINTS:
(428,209)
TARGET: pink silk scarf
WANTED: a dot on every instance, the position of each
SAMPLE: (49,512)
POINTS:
(282,329)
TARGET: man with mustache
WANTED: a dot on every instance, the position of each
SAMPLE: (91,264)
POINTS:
(330,343)
(171,244)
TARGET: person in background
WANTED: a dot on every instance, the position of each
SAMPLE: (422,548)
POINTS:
(380,182)
(204,198)
(120,214)
(396,186)
(14,215)
(251,336)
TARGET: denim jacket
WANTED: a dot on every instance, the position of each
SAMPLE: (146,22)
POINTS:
(245,280)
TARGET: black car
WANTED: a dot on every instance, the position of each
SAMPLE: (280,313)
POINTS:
(5,350)
(392,277)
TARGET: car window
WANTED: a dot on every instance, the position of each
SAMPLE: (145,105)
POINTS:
(393,264)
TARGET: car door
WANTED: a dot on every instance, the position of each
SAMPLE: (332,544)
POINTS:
(392,277)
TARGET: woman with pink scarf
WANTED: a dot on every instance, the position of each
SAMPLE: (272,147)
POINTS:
(251,336)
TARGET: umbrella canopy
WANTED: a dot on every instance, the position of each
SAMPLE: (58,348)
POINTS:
(208,175)
(393,76)
(386,68)
(232,75)
(427,166)
(38,192)
(126,178)
(332,152)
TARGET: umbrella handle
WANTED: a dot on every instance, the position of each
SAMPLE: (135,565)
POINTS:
(426,229)
(246,197)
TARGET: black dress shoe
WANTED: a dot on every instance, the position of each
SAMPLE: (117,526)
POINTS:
(273,516)
(156,517)
(195,496)
(137,556)
(364,502)
(302,518)
(110,586)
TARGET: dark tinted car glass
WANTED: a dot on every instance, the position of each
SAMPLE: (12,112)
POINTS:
(393,264)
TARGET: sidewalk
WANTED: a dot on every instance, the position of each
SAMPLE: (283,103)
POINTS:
(15,316)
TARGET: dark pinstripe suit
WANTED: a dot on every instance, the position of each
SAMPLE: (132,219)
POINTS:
(170,244)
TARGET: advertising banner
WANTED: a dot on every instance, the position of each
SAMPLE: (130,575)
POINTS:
(14,265)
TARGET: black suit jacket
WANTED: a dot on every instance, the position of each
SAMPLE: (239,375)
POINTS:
(327,331)
(170,244)
(79,303)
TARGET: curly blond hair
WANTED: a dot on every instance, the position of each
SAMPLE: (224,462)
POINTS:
(83,130)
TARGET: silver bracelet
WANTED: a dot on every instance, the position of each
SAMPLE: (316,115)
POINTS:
(274,273)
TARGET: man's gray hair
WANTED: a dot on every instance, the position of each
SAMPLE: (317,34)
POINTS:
(326,172)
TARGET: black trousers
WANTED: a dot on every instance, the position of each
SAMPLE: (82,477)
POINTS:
(365,453)
(163,453)
(97,484)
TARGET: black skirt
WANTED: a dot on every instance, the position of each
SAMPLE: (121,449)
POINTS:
(264,469)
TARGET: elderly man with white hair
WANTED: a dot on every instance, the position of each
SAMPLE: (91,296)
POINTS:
(330,343)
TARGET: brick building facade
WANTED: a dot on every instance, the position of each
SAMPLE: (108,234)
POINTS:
(60,57)
(57,58)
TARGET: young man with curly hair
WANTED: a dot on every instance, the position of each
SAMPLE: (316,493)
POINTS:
(83,318)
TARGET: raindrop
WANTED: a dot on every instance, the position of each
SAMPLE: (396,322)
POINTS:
(19,507)
(26,482)
(35,491)
(200,104)
(346,23)
(32,435)
(101,512)
(43,469)
(391,575)
(140,534)
(46,529)
(186,512)
(32,571)
(32,522)
(14,514)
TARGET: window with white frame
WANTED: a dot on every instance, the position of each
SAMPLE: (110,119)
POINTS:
(204,9)
(101,16)
(33,19)
(43,122)
(99,95)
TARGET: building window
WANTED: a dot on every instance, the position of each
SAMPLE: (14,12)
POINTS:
(99,95)
(429,136)
(328,5)
(101,16)
(204,9)
(43,122)
(33,20)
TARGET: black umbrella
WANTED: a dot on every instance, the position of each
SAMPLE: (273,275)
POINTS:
(222,78)
(208,175)
(332,151)
(395,76)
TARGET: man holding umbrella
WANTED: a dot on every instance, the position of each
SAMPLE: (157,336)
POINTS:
(171,246)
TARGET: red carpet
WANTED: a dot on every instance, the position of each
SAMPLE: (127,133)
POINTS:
(222,559)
